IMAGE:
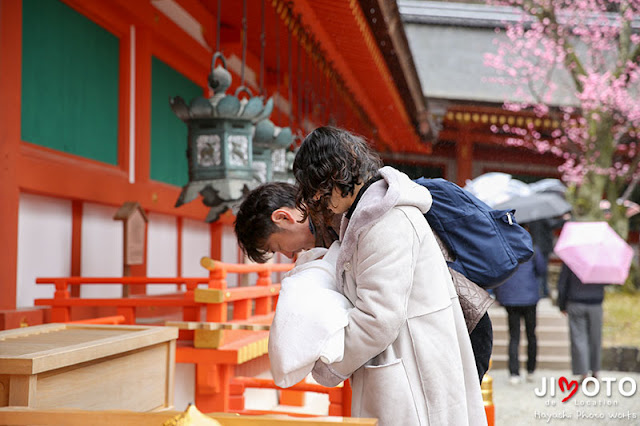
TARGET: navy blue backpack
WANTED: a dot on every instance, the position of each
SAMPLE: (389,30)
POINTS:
(488,244)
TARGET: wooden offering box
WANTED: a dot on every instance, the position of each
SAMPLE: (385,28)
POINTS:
(90,367)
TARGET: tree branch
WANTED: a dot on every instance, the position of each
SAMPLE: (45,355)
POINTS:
(624,43)
(571,62)
(623,39)
(632,185)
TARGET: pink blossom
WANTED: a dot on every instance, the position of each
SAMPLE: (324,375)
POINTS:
(609,84)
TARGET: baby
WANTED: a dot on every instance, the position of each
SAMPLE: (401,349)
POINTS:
(310,317)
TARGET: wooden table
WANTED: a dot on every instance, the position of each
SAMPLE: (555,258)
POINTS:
(90,367)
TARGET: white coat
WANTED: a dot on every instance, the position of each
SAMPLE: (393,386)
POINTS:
(407,348)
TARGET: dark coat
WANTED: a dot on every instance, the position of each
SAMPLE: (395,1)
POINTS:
(571,289)
(523,287)
(542,233)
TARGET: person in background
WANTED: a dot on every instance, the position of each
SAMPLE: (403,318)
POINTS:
(406,348)
(542,235)
(520,295)
(582,303)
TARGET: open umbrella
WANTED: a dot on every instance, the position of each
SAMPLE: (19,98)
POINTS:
(496,187)
(548,185)
(537,206)
(594,252)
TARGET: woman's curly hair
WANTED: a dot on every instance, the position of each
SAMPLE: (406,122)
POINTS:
(331,158)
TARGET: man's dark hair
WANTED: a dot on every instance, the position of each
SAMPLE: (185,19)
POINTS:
(330,157)
(253,225)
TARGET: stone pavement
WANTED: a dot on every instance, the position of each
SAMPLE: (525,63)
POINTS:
(552,331)
(520,405)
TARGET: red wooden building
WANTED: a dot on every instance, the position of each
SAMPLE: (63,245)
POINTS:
(85,124)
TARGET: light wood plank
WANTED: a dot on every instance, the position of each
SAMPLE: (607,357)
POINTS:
(69,344)
(208,339)
(210,326)
(133,381)
(14,416)
(170,374)
(22,389)
(208,295)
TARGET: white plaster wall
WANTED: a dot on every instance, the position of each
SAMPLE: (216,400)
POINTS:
(44,245)
(184,388)
(162,251)
(102,249)
(230,253)
(196,243)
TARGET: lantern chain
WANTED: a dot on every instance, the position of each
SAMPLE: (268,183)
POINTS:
(244,40)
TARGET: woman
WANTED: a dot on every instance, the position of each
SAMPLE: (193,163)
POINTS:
(406,346)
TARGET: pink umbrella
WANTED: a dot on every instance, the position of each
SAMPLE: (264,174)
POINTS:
(594,252)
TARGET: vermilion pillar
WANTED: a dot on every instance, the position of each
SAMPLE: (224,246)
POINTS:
(464,157)
(142,105)
(10,83)
(76,243)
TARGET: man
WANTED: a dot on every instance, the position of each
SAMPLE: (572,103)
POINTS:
(583,304)
(268,222)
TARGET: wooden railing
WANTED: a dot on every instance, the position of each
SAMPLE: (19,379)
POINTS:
(112,320)
(236,308)
(63,302)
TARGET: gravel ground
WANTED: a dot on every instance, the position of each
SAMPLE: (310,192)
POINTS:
(520,405)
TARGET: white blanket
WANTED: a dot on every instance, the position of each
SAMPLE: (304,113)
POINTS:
(310,318)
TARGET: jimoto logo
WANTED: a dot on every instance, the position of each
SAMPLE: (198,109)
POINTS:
(590,387)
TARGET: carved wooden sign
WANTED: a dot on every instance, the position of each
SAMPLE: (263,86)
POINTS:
(134,240)
(135,219)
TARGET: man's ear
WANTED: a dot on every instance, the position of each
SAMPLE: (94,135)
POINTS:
(282,216)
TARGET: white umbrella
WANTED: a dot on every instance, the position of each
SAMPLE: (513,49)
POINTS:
(496,187)
(548,185)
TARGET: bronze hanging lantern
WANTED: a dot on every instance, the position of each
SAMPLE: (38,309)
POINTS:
(231,140)
(282,160)
(220,141)
(270,141)
(269,147)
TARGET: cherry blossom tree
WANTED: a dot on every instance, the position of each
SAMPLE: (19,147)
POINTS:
(577,62)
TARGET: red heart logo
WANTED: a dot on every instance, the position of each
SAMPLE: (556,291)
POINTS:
(572,387)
